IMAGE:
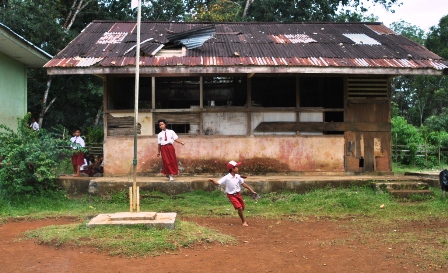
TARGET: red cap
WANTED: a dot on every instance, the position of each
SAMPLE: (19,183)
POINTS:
(232,164)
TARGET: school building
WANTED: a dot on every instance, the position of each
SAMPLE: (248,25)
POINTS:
(282,97)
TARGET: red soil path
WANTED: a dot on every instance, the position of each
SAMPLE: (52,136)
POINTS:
(265,246)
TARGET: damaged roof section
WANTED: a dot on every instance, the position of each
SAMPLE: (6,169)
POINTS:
(193,38)
(190,39)
(105,44)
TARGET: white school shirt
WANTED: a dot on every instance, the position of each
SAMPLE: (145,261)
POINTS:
(171,136)
(77,140)
(84,166)
(35,126)
(232,183)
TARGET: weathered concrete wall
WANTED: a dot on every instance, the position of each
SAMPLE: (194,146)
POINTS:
(225,123)
(290,153)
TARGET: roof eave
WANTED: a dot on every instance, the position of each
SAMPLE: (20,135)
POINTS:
(201,70)
(18,48)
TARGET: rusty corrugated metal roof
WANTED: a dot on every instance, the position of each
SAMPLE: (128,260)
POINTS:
(109,44)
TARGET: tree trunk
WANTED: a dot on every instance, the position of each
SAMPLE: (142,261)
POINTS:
(74,12)
(246,8)
(67,25)
(45,107)
(98,115)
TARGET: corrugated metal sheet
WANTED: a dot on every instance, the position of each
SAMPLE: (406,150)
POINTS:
(109,44)
(192,38)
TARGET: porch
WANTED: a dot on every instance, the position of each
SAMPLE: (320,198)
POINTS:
(293,182)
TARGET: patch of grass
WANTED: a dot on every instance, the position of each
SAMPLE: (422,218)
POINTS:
(337,203)
(129,241)
(401,169)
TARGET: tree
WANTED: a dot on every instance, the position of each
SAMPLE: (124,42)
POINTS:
(437,40)
(439,122)
(420,97)
(218,11)
(75,9)
(289,10)
(302,11)
(410,31)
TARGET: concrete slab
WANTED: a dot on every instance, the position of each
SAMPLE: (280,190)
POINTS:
(400,185)
(123,216)
(406,194)
(164,220)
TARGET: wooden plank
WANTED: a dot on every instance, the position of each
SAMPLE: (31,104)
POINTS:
(175,118)
(322,126)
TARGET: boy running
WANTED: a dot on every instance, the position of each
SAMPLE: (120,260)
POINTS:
(233,182)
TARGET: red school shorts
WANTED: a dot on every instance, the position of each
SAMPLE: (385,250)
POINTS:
(237,200)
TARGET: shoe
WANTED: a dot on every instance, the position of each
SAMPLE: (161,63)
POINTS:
(171,177)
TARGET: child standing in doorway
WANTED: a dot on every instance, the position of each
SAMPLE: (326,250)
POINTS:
(77,142)
(165,148)
(233,182)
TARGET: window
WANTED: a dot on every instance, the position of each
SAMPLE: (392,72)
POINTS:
(325,92)
(177,93)
(121,91)
(274,91)
(225,91)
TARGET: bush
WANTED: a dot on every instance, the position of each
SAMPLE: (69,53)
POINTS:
(30,159)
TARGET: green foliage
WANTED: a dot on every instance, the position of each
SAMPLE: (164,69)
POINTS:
(423,99)
(280,11)
(410,31)
(438,122)
(95,134)
(427,147)
(218,11)
(404,133)
(437,40)
(30,159)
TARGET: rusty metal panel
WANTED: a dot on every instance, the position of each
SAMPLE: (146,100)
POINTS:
(373,111)
(381,29)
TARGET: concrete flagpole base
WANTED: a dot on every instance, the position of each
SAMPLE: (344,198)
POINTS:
(164,220)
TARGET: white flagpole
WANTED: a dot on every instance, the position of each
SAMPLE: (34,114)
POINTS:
(137,75)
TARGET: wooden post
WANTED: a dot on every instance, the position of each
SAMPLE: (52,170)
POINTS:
(249,104)
(153,93)
(137,200)
(130,199)
(201,105)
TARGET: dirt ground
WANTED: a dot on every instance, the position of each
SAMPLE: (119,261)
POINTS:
(317,245)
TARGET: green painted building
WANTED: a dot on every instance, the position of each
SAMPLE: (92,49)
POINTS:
(16,56)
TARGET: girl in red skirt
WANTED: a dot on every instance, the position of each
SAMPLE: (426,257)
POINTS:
(165,140)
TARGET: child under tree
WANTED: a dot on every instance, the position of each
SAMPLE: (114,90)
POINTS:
(233,182)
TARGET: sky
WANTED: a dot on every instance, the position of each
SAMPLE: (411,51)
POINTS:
(422,13)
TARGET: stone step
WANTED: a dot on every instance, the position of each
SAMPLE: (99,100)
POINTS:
(406,194)
(399,185)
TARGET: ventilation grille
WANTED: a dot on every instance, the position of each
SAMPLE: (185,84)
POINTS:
(362,88)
